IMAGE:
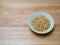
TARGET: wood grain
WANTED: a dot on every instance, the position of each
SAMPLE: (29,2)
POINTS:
(13,22)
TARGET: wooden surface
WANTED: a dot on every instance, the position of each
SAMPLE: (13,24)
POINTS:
(13,22)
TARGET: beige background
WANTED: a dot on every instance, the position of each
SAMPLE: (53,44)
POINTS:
(13,22)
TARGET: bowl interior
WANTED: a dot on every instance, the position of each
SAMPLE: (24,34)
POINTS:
(41,14)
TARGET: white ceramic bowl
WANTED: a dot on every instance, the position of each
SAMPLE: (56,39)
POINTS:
(29,21)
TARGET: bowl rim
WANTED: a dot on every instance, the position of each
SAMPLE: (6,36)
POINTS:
(44,14)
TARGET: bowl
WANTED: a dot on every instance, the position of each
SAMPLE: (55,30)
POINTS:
(29,21)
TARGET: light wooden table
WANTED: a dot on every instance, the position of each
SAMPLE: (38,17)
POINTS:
(13,22)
